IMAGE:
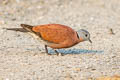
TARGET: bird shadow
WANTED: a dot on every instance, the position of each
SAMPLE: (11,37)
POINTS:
(75,51)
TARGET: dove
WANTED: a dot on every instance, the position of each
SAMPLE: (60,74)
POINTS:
(55,36)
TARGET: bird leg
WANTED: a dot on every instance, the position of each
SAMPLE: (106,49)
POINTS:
(46,49)
(57,53)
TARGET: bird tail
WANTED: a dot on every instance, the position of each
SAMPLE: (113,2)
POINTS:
(27,27)
(17,29)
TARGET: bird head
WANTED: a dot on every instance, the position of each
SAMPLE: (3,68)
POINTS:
(84,35)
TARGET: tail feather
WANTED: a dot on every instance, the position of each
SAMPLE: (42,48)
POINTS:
(17,29)
(27,27)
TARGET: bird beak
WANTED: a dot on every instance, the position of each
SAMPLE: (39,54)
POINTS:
(90,41)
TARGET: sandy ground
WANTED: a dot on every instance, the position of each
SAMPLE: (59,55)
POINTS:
(23,58)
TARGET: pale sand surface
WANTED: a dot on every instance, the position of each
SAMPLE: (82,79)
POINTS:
(23,58)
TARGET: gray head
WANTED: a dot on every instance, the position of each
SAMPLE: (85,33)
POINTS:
(85,35)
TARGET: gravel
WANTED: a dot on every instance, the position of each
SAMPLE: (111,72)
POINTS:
(24,58)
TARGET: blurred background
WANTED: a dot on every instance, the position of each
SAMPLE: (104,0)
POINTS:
(23,54)
(77,13)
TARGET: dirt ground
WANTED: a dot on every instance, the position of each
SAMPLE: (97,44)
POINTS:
(24,58)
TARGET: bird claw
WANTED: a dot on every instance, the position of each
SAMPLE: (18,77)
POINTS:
(61,54)
(49,54)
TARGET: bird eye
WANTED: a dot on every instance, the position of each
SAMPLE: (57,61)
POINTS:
(86,35)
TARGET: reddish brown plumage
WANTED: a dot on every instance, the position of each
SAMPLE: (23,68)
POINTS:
(60,35)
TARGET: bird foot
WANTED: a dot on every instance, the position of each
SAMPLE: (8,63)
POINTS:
(49,54)
(60,54)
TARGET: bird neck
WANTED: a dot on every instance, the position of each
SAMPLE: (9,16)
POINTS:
(80,40)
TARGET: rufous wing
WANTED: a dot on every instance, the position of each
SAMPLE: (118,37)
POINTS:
(54,33)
